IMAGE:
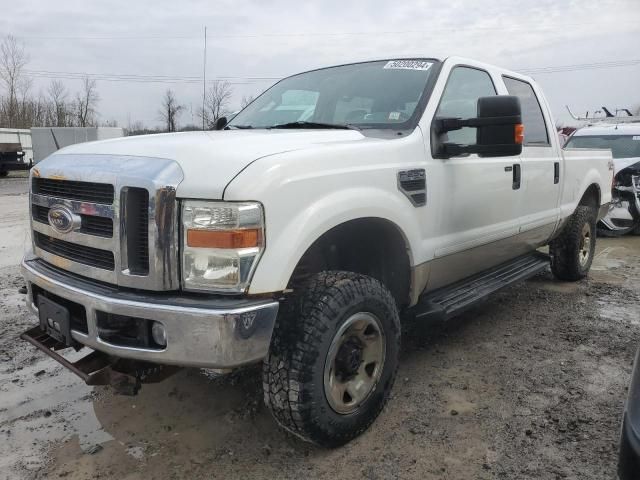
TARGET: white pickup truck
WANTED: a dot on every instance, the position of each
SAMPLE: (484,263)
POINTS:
(298,235)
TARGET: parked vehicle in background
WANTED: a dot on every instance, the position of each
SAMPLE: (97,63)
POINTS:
(629,458)
(624,141)
(337,202)
(15,150)
(47,140)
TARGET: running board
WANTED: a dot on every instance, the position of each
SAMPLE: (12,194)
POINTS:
(447,302)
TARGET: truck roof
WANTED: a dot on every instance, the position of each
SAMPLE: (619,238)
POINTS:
(456,59)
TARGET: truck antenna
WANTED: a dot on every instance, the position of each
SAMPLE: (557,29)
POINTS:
(204,75)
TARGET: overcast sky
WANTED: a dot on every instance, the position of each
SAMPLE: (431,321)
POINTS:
(278,38)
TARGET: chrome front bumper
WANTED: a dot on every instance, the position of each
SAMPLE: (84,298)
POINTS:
(222,332)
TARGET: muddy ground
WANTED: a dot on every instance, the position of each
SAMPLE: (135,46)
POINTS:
(531,384)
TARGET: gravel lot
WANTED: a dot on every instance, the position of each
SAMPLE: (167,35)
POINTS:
(530,385)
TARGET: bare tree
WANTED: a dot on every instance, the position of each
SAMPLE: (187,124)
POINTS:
(58,98)
(13,59)
(216,102)
(136,127)
(170,111)
(86,103)
(246,100)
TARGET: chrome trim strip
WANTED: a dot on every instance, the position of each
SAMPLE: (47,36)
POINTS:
(82,208)
(79,238)
(211,337)
(100,274)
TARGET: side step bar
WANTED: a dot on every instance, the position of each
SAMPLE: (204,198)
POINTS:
(447,302)
(97,368)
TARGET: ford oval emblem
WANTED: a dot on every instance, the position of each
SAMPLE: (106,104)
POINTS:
(62,219)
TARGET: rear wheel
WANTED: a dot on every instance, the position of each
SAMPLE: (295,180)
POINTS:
(333,358)
(572,252)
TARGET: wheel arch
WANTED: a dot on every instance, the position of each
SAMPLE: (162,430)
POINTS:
(372,246)
(591,196)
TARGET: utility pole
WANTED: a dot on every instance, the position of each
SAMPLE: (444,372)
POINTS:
(204,75)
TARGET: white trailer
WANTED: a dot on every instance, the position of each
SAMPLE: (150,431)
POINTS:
(47,140)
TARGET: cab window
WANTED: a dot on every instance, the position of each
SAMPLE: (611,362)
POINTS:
(460,100)
(535,130)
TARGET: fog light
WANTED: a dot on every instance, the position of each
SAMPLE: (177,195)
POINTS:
(159,334)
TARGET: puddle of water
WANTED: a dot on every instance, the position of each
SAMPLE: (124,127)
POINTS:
(560,287)
(624,313)
(39,408)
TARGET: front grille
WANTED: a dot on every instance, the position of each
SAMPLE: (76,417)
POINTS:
(99,226)
(74,190)
(136,203)
(125,224)
(93,257)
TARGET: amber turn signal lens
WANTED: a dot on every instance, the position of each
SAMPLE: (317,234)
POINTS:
(223,238)
(519,132)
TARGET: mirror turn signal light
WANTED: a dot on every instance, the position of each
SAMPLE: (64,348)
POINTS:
(243,238)
(519,133)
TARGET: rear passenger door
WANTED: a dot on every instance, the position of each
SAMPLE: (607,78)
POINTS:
(541,167)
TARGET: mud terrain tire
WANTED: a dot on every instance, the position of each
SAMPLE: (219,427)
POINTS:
(573,250)
(308,327)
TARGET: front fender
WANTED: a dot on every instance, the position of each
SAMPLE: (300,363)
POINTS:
(307,193)
(290,237)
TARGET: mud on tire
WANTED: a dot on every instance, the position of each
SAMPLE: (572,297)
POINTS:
(572,252)
(294,371)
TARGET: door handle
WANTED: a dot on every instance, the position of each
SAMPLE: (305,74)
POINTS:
(556,172)
(516,176)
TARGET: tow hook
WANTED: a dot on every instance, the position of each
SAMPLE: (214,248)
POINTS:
(97,368)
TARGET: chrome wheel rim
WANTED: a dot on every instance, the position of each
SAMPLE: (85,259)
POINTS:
(585,244)
(354,362)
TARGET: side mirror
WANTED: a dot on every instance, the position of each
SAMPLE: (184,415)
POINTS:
(500,132)
(221,123)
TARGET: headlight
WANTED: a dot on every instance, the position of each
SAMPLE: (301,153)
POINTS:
(221,244)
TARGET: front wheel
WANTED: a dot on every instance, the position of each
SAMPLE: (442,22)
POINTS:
(573,250)
(333,358)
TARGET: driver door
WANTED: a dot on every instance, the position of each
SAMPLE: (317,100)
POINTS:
(479,215)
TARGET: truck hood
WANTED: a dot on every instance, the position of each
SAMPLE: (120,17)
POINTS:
(622,163)
(210,160)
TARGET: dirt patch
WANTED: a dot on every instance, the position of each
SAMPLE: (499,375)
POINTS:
(531,384)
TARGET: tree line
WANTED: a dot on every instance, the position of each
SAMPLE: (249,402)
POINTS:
(56,106)
(216,105)
(20,107)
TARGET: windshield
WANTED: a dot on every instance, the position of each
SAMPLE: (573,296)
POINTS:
(622,146)
(382,94)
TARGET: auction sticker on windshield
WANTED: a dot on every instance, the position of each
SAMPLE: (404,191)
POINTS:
(408,65)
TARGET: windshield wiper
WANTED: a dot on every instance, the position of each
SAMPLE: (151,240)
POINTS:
(240,127)
(303,124)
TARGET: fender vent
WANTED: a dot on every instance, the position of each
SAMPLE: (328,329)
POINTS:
(413,183)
